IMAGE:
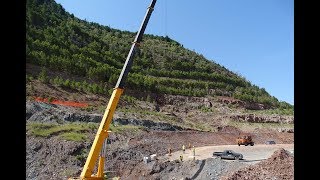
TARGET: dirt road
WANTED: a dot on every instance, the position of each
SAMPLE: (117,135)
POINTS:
(251,154)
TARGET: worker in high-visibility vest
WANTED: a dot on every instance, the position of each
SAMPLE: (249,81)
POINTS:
(183,148)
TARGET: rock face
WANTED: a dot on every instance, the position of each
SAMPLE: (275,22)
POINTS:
(243,104)
(255,106)
(149,124)
(43,112)
(229,100)
(254,118)
(288,130)
(279,166)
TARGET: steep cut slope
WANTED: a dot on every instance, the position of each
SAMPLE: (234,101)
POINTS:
(92,55)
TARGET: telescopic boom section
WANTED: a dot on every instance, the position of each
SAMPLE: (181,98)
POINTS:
(102,133)
(127,65)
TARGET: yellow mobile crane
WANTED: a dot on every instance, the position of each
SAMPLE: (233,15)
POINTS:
(102,133)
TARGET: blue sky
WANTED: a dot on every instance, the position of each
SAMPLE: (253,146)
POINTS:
(253,38)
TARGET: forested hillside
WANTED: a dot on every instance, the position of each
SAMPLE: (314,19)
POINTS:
(57,41)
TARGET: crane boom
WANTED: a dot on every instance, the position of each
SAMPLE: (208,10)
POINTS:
(102,133)
(127,65)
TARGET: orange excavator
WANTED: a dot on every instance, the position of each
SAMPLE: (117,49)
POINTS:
(102,133)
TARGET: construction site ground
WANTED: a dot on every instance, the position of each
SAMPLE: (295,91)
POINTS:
(204,166)
(251,154)
(54,158)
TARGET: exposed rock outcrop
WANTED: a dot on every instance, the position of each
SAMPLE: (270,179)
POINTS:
(254,118)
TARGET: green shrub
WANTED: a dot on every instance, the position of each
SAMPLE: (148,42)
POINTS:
(68,131)
(43,77)
(73,136)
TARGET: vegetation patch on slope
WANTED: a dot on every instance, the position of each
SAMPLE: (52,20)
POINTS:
(57,41)
(75,131)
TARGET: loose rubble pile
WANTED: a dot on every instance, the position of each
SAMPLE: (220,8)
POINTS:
(279,166)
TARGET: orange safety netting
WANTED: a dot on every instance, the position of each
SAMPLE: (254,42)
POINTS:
(65,103)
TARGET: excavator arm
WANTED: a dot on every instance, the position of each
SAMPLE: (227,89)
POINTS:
(102,133)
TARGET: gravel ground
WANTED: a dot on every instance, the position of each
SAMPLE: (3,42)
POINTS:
(210,168)
(278,166)
(251,154)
